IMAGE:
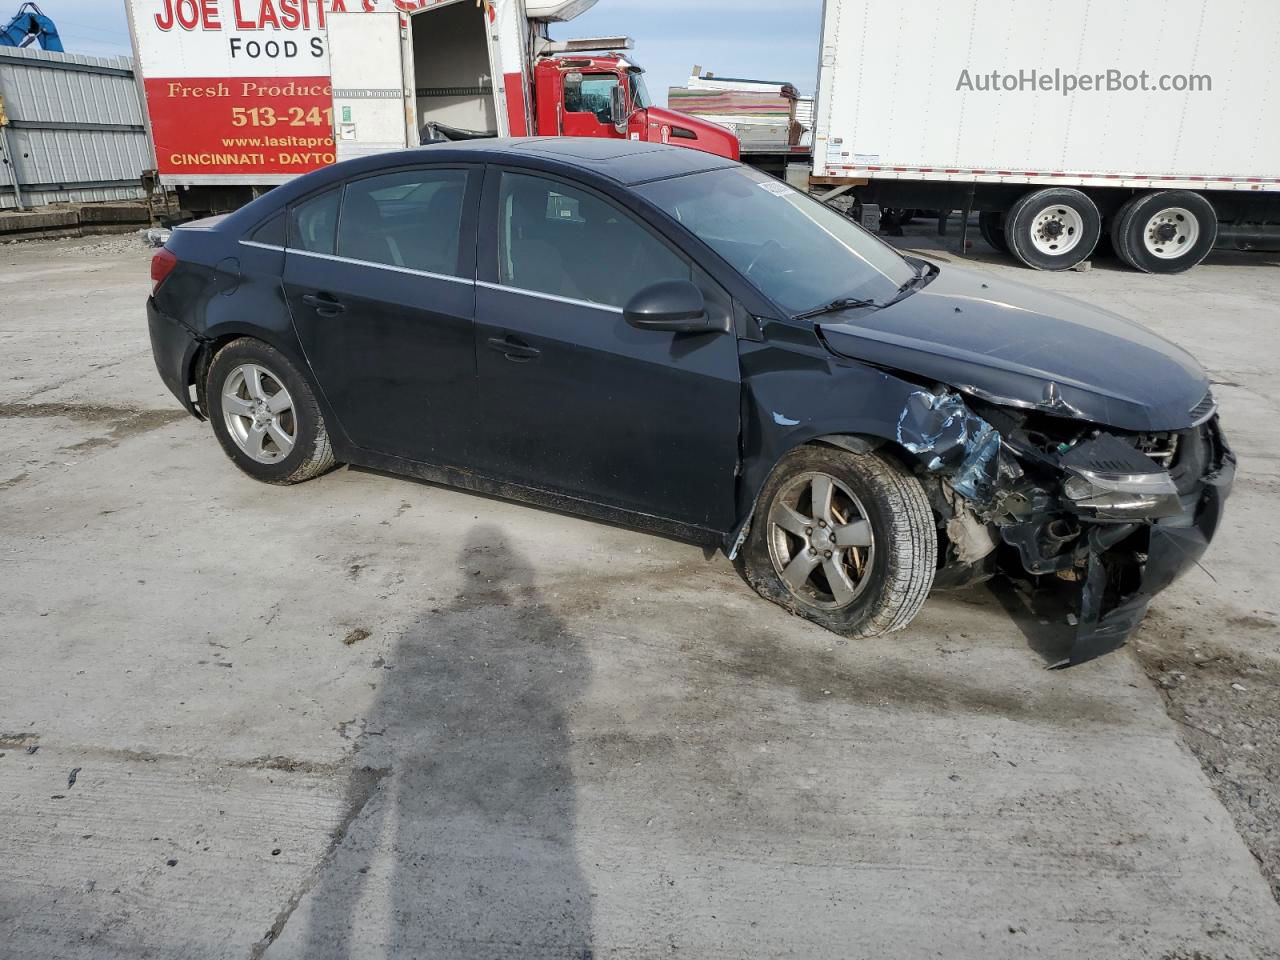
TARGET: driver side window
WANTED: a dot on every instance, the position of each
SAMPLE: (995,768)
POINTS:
(590,93)
(556,239)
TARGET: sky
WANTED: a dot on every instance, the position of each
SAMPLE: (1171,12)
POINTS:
(757,39)
(760,39)
(96,27)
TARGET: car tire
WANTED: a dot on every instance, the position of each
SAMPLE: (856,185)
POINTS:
(991,226)
(889,572)
(1053,229)
(265,414)
(1164,231)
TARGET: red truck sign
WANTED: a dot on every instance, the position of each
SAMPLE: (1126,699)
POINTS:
(239,89)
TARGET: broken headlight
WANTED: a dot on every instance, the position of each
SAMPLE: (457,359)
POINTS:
(1123,496)
(1111,479)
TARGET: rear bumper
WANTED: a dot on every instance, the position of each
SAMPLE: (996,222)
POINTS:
(174,348)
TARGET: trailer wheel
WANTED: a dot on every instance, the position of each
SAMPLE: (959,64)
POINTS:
(1165,231)
(1053,229)
(991,226)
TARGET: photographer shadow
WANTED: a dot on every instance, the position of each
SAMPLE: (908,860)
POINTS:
(466,847)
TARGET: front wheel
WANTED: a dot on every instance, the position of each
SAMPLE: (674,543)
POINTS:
(265,414)
(845,540)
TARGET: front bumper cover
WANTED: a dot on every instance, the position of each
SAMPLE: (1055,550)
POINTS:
(1007,482)
(1175,545)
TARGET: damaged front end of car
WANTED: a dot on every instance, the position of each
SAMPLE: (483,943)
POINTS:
(1037,492)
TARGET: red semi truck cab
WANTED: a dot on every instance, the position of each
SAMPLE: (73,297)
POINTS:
(492,70)
(605,96)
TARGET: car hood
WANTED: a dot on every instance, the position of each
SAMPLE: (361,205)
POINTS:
(1012,344)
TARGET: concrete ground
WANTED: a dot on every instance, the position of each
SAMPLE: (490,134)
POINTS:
(368,717)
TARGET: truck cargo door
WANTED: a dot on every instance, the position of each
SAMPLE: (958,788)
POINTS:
(372,99)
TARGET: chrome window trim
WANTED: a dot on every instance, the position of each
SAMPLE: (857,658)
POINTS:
(379,266)
(262,246)
(505,288)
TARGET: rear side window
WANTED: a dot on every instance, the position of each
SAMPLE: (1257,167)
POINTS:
(313,224)
(410,219)
(556,239)
(271,232)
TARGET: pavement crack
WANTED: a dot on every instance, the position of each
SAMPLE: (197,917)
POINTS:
(284,764)
(361,789)
(288,764)
(94,369)
(123,422)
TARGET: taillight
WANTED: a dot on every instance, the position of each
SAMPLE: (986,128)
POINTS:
(162,265)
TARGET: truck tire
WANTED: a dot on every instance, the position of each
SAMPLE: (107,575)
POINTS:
(1105,250)
(991,226)
(845,540)
(1164,231)
(265,414)
(1053,229)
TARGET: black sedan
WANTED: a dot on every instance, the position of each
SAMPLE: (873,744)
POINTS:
(670,340)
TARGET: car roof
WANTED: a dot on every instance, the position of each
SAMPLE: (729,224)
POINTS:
(625,162)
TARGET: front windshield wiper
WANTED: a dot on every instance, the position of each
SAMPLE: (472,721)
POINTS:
(835,306)
(922,272)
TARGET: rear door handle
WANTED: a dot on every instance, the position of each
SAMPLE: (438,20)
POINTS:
(325,304)
(513,349)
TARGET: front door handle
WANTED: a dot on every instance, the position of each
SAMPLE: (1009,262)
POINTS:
(513,349)
(325,304)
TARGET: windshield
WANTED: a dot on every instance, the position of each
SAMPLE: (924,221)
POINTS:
(639,92)
(798,252)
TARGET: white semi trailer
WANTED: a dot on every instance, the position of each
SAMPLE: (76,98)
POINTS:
(1151,124)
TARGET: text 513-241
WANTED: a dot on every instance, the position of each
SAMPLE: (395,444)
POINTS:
(293,117)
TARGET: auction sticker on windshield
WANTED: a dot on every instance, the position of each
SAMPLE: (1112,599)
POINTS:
(774,187)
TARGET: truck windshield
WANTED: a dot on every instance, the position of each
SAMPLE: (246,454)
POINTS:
(798,252)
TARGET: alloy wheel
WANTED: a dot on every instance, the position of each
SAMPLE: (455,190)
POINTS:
(820,541)
(259,413)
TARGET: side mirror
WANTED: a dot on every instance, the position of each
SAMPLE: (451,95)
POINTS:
(618,109)
(676,306)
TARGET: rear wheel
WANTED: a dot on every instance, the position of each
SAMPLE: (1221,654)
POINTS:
(1165,231)
(265,414)
(991,226)
(845,540)
(1053,229)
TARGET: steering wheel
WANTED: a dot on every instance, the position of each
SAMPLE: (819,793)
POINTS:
(771,244)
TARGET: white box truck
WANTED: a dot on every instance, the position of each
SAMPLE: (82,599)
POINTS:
(1151,124)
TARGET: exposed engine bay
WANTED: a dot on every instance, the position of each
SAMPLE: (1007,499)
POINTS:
(1035,495)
